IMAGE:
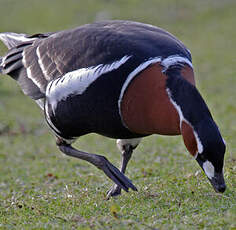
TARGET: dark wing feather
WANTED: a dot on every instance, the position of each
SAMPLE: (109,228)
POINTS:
(27,85)
(103,43)
(33,69)
(49,56)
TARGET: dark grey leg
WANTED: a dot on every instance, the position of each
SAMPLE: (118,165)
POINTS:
(126,146)
(100,162)
(126,155)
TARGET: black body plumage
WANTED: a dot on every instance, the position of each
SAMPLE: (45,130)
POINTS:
(79,77)
(96,110)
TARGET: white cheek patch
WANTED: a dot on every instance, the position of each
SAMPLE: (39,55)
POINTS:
(209,169)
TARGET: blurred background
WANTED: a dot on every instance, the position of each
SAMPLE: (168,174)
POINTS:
(207,28)
(39,185)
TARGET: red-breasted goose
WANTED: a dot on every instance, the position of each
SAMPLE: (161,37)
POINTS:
(121,79)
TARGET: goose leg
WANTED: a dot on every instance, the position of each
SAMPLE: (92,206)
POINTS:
(126,149)
(100,162)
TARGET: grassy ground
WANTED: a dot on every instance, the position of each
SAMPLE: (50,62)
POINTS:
(42,189)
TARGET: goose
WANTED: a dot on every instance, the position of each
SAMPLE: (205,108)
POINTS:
(121,79)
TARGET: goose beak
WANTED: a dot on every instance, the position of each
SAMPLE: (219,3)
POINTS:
(216,179)
(218,182)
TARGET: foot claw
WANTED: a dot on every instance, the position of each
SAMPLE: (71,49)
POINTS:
(118,177)
(115,190)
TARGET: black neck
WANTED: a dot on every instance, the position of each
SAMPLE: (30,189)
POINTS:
(187,97)
(196,112)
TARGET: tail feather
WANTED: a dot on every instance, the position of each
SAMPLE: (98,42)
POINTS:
(13,39)
(12,63)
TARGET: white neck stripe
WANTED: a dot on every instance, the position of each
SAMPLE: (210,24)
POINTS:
(182,118)
(174,59)
(166,63)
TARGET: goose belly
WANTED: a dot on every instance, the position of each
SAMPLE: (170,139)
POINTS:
(94,111)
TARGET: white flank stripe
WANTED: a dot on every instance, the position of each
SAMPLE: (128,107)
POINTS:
(29,72)
(209,169)
(41,65)
(76,82)
(174,59)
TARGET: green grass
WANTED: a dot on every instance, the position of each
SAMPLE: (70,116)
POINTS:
(42,189)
